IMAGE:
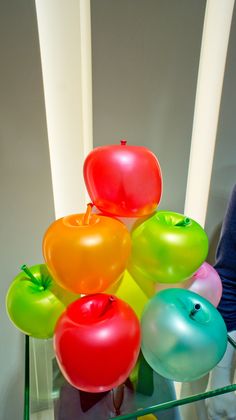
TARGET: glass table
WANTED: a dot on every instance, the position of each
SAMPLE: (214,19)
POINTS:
(146,395)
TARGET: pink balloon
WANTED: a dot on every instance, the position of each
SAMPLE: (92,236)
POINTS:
(206,282)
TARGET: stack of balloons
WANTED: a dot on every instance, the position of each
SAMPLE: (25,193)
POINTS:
(121,279)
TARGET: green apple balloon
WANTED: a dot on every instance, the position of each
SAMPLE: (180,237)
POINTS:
(167,248)
(183,335)
(35,302)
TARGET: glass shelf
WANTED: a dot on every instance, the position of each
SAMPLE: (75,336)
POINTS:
(48,396)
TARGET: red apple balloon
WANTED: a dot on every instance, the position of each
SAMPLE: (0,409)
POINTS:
(97,342)
(123,180)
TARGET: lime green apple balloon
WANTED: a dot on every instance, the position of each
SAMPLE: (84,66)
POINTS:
(34,301)
(130,292)
(183,335)
(167,248)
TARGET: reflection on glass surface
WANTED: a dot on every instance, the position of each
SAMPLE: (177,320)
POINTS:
(51,397)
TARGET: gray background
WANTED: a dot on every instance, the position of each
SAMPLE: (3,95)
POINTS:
(145,62)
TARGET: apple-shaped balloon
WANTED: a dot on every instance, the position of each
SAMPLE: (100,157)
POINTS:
(123,180)
(167,248)
(86,253)
(207,283)
(183,335)
(35,302)
(97,342)
(128,290)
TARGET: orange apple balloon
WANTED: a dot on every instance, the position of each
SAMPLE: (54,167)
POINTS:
(86,253)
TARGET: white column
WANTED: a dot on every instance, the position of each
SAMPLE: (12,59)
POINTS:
(214,46)
(65,43)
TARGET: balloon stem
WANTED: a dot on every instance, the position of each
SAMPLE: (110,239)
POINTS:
(30,275)
(231,341)
(196,308)
(87,215)
(118,397)
(107,305)
(123,142)
(184,222)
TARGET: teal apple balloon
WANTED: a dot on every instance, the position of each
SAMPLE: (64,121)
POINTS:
(183,335)
(35,301)
(167,248)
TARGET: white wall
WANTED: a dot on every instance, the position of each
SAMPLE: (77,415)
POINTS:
(26,206)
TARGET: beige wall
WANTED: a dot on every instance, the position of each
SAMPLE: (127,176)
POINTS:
(26,207)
